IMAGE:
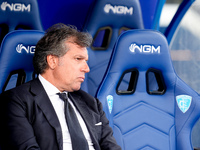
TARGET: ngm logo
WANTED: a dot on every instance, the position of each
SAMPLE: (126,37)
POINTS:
(27,49)
(118,9)
(15,7)
(144,48)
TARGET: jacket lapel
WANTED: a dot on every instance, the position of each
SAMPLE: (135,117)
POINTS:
(86,114)
(43,101)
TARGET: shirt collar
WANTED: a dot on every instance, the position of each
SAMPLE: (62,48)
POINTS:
(49,88)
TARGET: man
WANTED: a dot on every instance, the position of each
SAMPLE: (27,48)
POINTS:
(33,114)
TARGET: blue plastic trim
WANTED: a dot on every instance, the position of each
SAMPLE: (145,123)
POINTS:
(177,19)
(155,24)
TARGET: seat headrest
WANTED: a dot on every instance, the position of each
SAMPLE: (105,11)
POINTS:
(17,50)
(143,49)
(117,14)
(20,13)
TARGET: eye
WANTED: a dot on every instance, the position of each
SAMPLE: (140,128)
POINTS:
(78,58)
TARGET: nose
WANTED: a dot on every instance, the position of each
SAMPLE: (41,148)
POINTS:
(86,68)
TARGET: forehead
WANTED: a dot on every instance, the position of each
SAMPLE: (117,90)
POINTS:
(73,48)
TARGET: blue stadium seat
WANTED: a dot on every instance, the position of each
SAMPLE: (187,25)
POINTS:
(107,19)
(147,104)
(16,53)
(19,14)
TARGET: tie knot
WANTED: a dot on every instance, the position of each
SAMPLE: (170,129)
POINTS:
(63,96)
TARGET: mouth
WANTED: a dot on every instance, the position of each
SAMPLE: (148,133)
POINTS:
(82,78)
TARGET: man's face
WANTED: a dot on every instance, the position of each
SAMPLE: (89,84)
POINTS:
(71,68)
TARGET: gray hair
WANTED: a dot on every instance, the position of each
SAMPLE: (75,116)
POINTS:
(53,43)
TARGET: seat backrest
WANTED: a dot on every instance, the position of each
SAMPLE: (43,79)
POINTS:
(147,104)
(16,54)
(19,14)
(106,20)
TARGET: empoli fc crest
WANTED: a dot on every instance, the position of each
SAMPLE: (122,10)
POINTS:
(184,102)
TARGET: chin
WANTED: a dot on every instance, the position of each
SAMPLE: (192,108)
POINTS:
(76,88)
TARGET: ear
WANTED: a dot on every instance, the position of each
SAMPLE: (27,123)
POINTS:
(52,61)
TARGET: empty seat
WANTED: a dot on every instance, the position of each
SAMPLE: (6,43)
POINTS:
(16,54)
(147,104)
(107,19)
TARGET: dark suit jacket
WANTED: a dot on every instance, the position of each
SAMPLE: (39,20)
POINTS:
(28,119)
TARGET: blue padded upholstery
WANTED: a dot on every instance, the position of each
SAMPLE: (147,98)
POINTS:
(111,16)
(19,14)
(16,54)
(157,110)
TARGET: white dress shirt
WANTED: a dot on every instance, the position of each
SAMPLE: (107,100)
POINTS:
(58,105)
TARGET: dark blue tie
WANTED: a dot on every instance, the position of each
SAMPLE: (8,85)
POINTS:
(77,137)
